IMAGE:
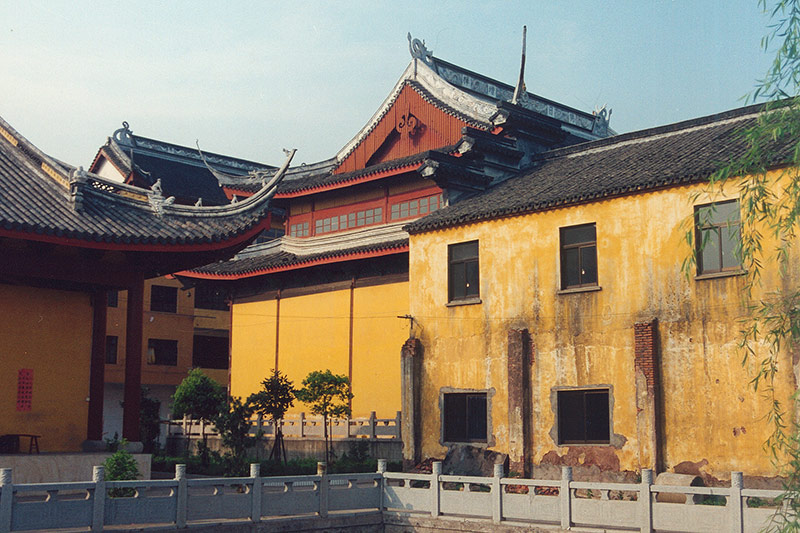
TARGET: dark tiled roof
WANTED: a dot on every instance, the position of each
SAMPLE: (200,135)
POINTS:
(329,179)
(279,260)
(679,153)
(39,196)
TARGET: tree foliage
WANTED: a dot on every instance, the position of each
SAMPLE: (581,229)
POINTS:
(275,397)
(198,396)
(233,425)
(121,466)
(768,182)
(327,394)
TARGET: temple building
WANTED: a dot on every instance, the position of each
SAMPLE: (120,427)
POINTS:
(333,292)
(184,327)
(68,237)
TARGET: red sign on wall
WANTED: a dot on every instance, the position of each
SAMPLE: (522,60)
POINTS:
(25,389)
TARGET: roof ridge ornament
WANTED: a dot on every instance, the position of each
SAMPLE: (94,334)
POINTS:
(157,200)
(602,118)
(419,51)
(124,135)
(520,93)
(77,179)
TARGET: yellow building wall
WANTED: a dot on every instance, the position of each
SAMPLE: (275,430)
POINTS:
(711,415)
(178,326)
(50,332)
(315,335)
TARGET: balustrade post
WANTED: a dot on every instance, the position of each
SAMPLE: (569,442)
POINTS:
(497,494)
(256,492)
(372,425)
(182,497)
(259,423)
(6,499)
(302,424)
(646,501)
(322,469)
(735,503)
(347,422)
(565,497)
(382,483)
(436,471)
(99,499)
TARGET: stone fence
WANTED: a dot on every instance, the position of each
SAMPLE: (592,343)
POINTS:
(302,426)
(474,501)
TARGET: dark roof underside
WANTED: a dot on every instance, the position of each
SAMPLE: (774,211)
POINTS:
(182,180)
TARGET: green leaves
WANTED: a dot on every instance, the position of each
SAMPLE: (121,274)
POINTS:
(198,396)
(326,393)
(275,398)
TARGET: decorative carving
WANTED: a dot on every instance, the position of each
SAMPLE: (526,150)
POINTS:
(156,187)
(455,97)
(199,202)
(124,135)
(234,200)
(602,117)
(157,200)
(419,51)
(408,124)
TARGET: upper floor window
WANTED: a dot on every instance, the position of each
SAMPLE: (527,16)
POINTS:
(578,256)
(463,273)
(299,230)
(164,299)
(113,298)
(416,207)
(356,219)
(162,352)
(112,341)
(209,297)
(211,351)
(717,237)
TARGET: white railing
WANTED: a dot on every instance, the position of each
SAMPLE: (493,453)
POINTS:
(302,426)
(566,503)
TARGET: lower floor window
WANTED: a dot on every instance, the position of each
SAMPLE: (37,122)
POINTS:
(162,352)
(111,349)
(584,417)
(464,417)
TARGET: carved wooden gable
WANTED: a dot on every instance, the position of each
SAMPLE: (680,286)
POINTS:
(410,126)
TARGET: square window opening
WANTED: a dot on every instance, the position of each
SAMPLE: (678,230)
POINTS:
(578,256)
(464,417)
(583,417)
(463,271)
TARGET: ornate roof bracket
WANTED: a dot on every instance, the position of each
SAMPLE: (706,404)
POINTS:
(420,52)
(77,179)
(124,136)
(518,119)
(450,173)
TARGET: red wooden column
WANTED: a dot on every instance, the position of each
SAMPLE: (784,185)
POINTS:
(94,424)
(133,362)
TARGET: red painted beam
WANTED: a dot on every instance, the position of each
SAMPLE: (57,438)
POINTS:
(133,362)
(94,425)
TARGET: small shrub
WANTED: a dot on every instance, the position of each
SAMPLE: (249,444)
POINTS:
(121,466)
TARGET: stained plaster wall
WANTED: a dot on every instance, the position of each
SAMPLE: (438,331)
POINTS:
(712,420)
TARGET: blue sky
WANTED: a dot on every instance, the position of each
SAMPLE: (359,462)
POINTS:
(250,78)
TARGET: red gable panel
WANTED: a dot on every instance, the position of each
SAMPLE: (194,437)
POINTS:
(409,127)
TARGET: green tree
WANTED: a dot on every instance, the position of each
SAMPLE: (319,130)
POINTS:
(121,466)
(276,396)
(233,424)
(771,214)
(328,395)
(200,397)
(150,421)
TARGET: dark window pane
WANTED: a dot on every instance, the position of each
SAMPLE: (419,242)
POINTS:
(455,417)
(463,251)
(208,296)
(725,212)
(458,281)
(113,298)
(210,351)
(710,254)
(583,417)
(730,246)
(476,417)
(588,265)
(571,268)
(112,342)
(578,234)
(597,419)
(162,352)
(164,299)
(472,282)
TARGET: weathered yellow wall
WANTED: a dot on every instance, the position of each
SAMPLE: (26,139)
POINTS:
(314,335)
(711,416)
(49,331)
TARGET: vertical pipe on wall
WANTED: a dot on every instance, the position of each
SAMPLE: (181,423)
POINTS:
(133,361)
(350,344)
(94,423)
(277,325)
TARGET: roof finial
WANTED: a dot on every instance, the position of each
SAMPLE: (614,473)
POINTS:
(418,51)
(519,91)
